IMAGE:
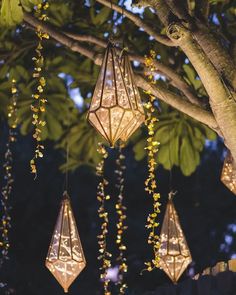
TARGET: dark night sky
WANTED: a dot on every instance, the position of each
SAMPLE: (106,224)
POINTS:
(206,208)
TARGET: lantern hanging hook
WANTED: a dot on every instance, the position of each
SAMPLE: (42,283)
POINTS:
(172,194)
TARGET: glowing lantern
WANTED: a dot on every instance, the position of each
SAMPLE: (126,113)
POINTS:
(134,96)
(65,258)
(111,111)
(228,176)
(173,252)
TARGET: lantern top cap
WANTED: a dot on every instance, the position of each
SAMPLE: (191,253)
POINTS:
(171,195)
(65,196)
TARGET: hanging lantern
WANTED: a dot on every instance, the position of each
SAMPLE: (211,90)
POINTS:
(134,96)
(65,258)
(228,176)
(174,252)
(111,111)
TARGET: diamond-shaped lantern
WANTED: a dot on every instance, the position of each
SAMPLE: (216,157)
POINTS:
(134,96)
(111,111)
(65,258)
(228,175)
(174,252)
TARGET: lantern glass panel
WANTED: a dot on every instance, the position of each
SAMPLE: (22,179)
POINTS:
(65,258)
(135,98)
(111,110)
(116,109)
(174,252)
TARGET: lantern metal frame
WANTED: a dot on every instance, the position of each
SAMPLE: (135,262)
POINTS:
(174,252)
(134,95)
(111,110)
(65,258)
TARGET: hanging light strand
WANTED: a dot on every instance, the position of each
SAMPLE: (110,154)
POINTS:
(121,227)
(150,183)
(38,106)
(104,255)
(6,190)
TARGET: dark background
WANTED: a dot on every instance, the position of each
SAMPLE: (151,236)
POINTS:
(206,208)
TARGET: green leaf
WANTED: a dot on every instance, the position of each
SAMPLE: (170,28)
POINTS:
(189,159)
(174,150)
(101,17)
(139,150)
(11,12)
(191,74)
(163,156)
(164,134)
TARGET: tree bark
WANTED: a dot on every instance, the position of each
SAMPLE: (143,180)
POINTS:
(221,99)
(217,54)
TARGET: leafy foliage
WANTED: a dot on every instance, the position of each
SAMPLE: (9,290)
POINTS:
(181,141)
(67,71)
(12,11)
(83,142)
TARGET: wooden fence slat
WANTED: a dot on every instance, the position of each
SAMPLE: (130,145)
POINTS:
(224,283)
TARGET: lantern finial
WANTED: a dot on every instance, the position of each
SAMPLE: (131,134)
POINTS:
(171,195)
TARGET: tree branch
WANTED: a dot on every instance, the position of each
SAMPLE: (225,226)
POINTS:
(206,71)
(216,53)
(212,47)
(178,103)
(87,38)
(175,79)
(60,37)
(202,9)
(65,38)
(168,96)
(162,10)
(222,100)
(138,22)
(179,10)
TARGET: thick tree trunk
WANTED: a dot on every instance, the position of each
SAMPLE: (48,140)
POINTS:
(222,100)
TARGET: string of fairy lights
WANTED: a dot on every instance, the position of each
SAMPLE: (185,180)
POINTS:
(151,183)
(38,106)
(5,222)
(104,255)
(121,214)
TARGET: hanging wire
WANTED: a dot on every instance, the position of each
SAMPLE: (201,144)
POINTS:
(67,170)
(67,153)
(171,192)
(170,161)
(122,19)
(111,37)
